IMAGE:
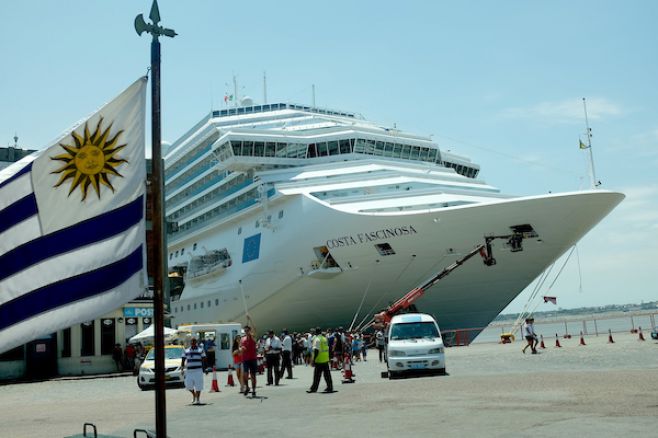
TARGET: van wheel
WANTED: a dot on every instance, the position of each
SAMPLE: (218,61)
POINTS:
(392,375)
(441,372)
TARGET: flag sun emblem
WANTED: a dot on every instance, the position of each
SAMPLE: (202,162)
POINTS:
(90,160)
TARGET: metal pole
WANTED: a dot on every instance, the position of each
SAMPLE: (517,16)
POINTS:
(157,219)
(157,213)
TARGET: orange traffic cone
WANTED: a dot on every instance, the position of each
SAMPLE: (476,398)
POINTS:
(557,341)
(541,344)
(215,386)
(347,369)
(640,335)
(230,381)
(610,340)
(582,340)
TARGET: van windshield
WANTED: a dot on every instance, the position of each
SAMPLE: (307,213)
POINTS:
(414,330)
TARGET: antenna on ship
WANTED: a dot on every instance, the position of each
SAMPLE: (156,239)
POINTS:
(313,95)
(264,87)
(595,182)
(235,90)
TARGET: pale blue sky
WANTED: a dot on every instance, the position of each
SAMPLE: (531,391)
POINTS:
(501,82)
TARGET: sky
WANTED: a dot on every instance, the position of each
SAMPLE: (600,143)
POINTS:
(500,82)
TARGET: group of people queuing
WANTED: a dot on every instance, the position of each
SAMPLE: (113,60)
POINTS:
(279,353)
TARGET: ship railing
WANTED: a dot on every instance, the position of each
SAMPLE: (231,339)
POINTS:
(460,337)
(223,194)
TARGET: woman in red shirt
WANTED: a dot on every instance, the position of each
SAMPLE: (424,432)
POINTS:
(249,358)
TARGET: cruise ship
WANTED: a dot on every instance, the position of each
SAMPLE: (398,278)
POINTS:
(304,216)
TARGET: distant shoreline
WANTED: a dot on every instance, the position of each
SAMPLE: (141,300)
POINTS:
(572,315)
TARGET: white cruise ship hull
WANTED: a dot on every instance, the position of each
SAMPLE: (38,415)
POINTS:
(281,289)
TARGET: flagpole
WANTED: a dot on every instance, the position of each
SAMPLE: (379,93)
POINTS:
(595,183)
(157,213)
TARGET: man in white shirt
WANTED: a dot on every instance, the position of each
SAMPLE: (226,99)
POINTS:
(286,362)
(273,358)
(528,331)
(192,361)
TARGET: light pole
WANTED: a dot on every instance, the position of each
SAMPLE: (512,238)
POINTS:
(157,215)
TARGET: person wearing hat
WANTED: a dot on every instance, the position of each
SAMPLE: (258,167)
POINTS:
(528,330)
(273,357)
(321,362)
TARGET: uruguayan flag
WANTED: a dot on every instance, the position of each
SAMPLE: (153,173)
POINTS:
(72,238)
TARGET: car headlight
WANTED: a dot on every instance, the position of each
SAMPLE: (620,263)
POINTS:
(396,353)
(436,351)
(148,370)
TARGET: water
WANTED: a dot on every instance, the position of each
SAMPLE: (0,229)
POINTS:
(589,324)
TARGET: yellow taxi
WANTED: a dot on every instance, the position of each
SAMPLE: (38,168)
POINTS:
(173,370)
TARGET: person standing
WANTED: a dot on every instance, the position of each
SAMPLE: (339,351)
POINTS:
(273,357)
(209,347)
(192,361)
(249,358)
(379,343)
(286,362)
(117,357)
(237,361)
(528,330)
(321,363)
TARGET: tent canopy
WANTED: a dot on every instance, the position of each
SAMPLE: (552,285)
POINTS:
(149,333)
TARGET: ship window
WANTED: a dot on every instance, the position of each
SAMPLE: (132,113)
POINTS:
(182,251)
(208,303)
(176,253)
(345,147)
(193,247)
(270,149)
(194,306)
(333,148)
(379,147)
(280,214)
(384,249)
(216,301)
(259,147)
(239,230)
(201,304)
(257,224)
(171,255)
(188,307)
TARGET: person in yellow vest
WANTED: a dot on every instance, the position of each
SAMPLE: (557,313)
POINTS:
(320,361)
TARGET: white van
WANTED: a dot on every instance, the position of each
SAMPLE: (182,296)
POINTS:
(414,344)
(217,338)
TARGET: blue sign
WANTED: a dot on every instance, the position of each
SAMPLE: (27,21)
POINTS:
(251,248)
(138,312)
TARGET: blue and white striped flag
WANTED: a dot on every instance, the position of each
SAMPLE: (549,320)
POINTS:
(72,236)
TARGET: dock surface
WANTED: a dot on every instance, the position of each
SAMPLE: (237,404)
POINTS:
(492,390)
